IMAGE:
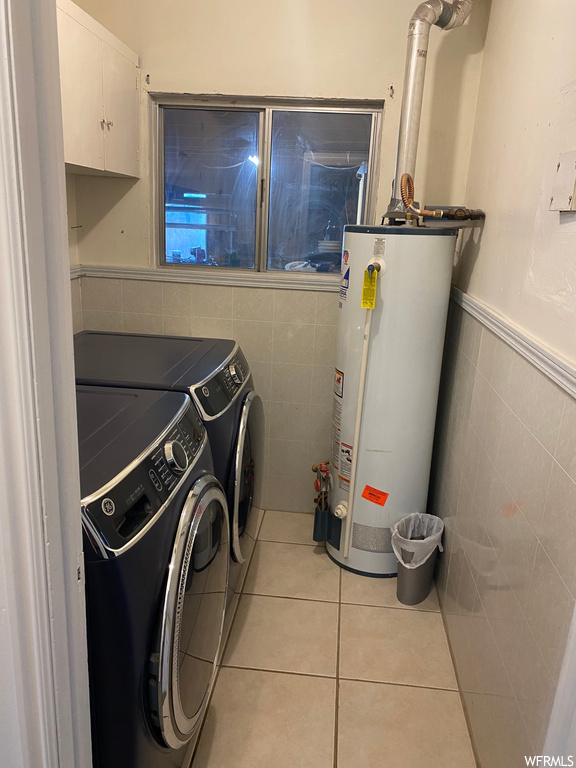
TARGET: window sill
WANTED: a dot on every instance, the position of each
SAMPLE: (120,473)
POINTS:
(303,281)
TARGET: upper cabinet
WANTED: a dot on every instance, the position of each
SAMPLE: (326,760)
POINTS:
(100,96)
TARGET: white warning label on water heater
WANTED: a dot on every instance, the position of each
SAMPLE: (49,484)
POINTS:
(336,418)
(338,382)
(336,423)
(335,453)
(344,283)
(379,246)
(345,460)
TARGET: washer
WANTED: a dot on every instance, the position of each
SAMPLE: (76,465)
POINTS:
(156,531)
(214,372)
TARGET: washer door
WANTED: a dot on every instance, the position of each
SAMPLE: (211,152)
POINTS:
(183,664)
(247,469)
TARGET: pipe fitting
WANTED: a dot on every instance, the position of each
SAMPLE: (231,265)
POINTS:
(460,11)
(378,264)
(341,510)
(446,16)
(443,14)
(431,12)
(427,12)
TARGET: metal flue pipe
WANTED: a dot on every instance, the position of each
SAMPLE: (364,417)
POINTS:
(432,12)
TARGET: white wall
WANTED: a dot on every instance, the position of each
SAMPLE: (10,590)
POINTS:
(295,48)
(525,267)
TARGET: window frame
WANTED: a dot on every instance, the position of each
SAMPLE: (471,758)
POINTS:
(265,106)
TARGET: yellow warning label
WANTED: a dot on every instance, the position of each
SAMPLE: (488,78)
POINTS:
(369,289)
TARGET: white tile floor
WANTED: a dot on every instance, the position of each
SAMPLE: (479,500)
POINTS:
(325,669)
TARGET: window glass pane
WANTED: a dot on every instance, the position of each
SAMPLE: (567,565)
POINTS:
(211,186)
(318,171)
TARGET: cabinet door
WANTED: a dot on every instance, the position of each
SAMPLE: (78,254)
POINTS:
(81,85)
(121,106)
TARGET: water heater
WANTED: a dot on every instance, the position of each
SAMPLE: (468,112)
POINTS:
(386,381)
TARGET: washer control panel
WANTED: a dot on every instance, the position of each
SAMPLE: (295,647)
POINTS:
(177,452)
(121,511)
(217,393)
(176,457)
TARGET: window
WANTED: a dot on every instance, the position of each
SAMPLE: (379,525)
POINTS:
(263,188)
(211,160)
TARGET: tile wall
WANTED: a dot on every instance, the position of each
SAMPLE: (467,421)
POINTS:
(288,337)
(504,480)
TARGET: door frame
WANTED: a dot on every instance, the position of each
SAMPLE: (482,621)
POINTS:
(44,706)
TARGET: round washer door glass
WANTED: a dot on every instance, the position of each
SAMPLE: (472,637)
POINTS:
(247,470)
(192,619)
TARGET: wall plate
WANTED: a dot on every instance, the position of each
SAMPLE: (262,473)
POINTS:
(564,191)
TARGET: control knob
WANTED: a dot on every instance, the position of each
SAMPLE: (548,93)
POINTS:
(176,457)
(235,373)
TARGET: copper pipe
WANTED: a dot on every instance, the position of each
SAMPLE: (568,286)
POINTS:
(407,192)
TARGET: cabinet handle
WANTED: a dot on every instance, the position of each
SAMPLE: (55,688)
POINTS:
(109,123)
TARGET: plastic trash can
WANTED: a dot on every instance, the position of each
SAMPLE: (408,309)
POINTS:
(416,540)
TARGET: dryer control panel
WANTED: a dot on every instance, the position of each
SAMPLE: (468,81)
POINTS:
(121,510)
(216,394)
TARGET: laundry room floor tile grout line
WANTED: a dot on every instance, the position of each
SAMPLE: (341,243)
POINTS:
(338,679)
(410,609)
(291,597)
(337,699)
(334,602)
(399,685)
(295,543)
(280,672)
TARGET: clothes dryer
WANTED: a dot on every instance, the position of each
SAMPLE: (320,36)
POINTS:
(216,375)
(156,530)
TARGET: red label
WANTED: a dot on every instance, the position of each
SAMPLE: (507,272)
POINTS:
(374,495)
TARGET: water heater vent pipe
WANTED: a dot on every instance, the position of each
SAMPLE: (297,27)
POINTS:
(432,12)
